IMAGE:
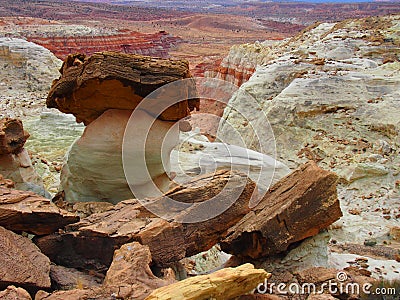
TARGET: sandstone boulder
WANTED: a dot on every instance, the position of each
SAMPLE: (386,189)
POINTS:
(129,277)
(189,225)
(130,272)
(12,136)
(29,212)
(89,86)
(15,163)
(12,293)
(22,263)
(63,278)
(297,207)
(227,283)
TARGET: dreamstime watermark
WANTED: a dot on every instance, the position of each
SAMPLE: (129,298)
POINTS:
(149,142)
(339,286)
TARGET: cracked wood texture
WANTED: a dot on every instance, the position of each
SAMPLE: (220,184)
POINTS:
(295,208)
(91,243)
(89,86)
(21,262)
(26,211)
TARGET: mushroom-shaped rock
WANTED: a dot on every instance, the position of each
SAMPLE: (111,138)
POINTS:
(89,86)
(103,91)
(15,162)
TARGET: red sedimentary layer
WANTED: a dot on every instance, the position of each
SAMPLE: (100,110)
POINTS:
(236,74)
(156,44)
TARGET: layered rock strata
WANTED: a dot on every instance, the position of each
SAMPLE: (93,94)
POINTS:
(156,44)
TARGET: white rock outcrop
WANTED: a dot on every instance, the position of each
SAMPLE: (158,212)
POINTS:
(27,71)
(94,167)
(332,95)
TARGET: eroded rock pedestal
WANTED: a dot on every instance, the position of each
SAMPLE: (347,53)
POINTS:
(15,163)
(102,91)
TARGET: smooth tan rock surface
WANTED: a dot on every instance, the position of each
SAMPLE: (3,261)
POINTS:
(94,167)
(227,283)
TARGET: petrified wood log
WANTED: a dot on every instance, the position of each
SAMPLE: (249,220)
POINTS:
(297,207)
(26,211)
(89,86)
(21,262)
(91,242)
(227,283)
(12,136)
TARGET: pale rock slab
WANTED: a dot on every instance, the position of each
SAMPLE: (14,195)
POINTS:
(94,168)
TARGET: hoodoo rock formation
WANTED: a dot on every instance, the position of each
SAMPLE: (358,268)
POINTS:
(15,163)
(156,44)
(307,196)
(102,91)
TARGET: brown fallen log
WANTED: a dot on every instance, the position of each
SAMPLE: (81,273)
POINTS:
(21,262)
(227,283)
(90,244)
(89,86)
(12,136)
(296,207)
(29,212)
